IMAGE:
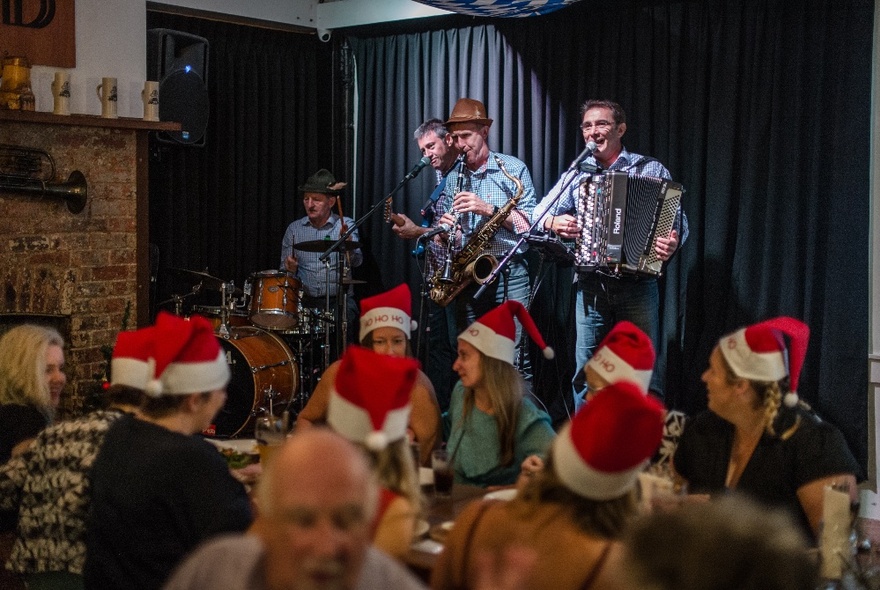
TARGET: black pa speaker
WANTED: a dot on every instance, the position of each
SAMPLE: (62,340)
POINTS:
(179,61)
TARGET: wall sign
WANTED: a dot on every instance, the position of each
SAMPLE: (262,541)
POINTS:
(41,30)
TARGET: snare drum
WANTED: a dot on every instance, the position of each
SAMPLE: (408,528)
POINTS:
(259,362)
(275,300)
(233,317)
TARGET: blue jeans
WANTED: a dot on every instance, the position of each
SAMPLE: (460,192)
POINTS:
(446,323)
(602,301)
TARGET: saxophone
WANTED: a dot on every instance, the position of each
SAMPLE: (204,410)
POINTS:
(471,264)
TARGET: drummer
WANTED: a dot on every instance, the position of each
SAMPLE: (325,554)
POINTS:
(321,194)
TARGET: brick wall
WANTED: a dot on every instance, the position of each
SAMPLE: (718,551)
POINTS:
(82,266)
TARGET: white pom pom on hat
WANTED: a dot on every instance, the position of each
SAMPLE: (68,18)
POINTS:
(370,400)
(758,352)
(600,453)
(494,333)
(389,309)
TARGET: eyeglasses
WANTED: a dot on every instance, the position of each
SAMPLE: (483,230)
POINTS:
(599,125)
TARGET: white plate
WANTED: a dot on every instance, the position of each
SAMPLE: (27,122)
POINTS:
(245,446)
(426,476)
(508,494)
(422,528)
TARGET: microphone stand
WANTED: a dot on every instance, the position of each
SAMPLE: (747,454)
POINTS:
(336,245)
(504,261)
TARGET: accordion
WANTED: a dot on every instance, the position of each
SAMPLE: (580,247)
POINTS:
(621,216)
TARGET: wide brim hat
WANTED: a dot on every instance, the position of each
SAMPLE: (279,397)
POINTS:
(468,110)
(322,181)
(600,453)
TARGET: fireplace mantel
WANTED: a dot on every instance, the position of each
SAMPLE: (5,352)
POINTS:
(87,121)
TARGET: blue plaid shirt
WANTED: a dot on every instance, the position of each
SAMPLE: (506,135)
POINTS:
(311,270)
(491,185)
(625,162)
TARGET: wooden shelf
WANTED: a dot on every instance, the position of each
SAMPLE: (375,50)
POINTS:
(86,121)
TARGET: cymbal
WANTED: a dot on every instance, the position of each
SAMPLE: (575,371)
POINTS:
(322,245)
(194,276)
(348,281)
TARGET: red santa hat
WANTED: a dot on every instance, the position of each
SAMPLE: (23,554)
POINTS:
(130,364)
(600,453)
(370,399)
(389,309)
(626,354)
(186,358)
(758,352)
(494,334)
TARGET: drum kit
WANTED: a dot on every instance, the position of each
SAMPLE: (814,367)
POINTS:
(276,349)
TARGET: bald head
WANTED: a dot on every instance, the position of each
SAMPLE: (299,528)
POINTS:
(317,500)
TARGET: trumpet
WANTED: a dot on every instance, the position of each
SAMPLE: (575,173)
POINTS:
(31,171)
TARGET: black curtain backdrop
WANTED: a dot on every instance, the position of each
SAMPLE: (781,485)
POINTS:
(760,108)
(223,208)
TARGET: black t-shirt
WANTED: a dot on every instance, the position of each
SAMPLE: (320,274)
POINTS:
(804,449)
(156,494)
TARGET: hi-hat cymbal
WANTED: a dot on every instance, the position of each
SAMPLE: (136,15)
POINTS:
(348,281)
(322,245)
(194,276)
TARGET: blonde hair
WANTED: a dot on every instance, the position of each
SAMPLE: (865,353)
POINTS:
(23,366)
(395,470)
(506,389)
(769,394)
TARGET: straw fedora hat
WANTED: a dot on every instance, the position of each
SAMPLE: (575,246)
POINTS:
(468,110)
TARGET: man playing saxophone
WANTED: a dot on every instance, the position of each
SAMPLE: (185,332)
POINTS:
(483,189)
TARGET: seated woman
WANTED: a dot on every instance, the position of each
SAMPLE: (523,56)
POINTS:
(573,513)
(385,328)
(31,381)
(492,425)
(369,405)
(625,354)
(50,483)
(748,441)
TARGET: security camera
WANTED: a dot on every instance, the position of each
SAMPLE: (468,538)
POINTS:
(324,35)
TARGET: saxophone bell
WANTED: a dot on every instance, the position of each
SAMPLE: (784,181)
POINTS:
(481,268)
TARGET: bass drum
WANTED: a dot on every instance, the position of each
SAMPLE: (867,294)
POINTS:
(261,364)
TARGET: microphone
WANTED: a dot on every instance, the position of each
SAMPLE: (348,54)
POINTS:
(437,230)
(418,168)
(588,151)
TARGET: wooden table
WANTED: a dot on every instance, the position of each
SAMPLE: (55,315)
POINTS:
(438,511)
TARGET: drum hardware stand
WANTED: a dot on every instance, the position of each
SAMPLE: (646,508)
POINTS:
(326,261)
(225,303)
(259,368)
(178,299)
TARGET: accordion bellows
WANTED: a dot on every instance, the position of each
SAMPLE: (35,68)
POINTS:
(621,216)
